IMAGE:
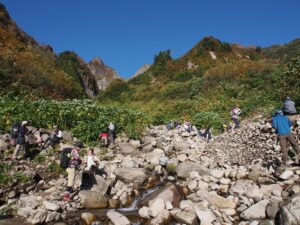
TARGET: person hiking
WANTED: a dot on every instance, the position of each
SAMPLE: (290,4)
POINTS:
(74,165)
(20,141)
(91,159)
(289,107)
(103,137)
(187,126)
(15,131)
(234,113)
(282,125)
(207,134)
(55,139)
(111,132)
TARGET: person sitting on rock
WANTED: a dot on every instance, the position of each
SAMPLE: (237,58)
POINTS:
(74,165)
(234,113)
(55,139)
(20,141)
(282,125)
(91,159)
(187,126)
(289,107)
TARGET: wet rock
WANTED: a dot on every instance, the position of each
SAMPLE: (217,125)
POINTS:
(88,218)
(117,218)
(92,199)
(183,170)
(256,212)
(131,175)
(185,217)
(290,213)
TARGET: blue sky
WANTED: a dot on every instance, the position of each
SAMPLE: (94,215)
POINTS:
(126,34)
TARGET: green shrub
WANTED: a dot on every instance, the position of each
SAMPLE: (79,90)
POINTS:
(206,119)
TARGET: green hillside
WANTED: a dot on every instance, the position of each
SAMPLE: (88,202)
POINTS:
(212,77)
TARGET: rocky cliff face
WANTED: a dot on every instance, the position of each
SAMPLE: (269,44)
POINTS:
(103,74)
(142,70)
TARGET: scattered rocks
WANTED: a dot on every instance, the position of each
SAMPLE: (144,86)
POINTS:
(117,218)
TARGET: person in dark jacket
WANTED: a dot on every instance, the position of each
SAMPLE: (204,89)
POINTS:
(282,125)
(20,141)
(289,107)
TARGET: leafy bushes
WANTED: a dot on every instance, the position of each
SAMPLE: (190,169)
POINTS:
(206,119)
(84,118)
(162,57)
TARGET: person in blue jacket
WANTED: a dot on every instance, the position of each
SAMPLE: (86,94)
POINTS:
(282,124)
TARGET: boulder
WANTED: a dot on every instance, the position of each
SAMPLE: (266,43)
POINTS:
(290,212)
(156,206)
(92,199)
(181,146)
(256,212)
(144,212)
(241,187)
(286,174)
(168,193)
(127,148)
(101,186)
(117,218)
(131,175)
(220,201)
(88,218)
(51,206)
(188,217)
(205,216)
(273,208)
(183,169)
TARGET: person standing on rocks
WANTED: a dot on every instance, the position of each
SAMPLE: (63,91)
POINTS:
(234,113)
(20,141)
(289,107)
(282,125)
(74,165)
(111,132)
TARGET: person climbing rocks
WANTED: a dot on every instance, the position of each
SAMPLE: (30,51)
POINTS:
(74,165)
(282,125)
(20,141)
(111,132)
(289,107)
(207,134)
(234,113)
(103,137)
(55,139)
(91,159)
(187,126)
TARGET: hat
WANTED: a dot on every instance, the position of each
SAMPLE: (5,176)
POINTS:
(24,123)
(78,145)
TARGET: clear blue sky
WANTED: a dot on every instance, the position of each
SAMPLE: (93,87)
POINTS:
(127,33)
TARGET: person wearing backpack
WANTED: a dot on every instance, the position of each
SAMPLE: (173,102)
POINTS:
(282,124)
(74,164)
(20,141)
(234,113)
(14,132)
(55,139)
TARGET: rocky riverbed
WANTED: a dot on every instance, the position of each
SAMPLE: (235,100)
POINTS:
(169,177)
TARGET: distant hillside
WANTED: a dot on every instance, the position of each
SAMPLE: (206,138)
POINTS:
(211,77)
(283,52)
(33,70)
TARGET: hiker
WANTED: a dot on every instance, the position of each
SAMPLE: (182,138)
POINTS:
(20,141)
(88,178)
(289,107)
(170,125)
(234,113)
(111,132)
(103,137)
(55,139)
(91,159)
(282,125)
(187,126)
(74,165)
(14,132)
(207,134)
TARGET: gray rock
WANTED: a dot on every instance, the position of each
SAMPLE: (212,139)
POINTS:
(286,174)
(131,175)
(101,186)
(11,194)
(256,212)
(241,187)
(117,218)
(144,212)
(183,170)
(156,206)
(88,218)
(273,208)
(205,216)
(290,213)
(181,146)
(51,206)
(92,199)
(186,217)
(127,148)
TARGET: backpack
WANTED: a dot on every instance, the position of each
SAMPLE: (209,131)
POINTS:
(15,130)
(65,158)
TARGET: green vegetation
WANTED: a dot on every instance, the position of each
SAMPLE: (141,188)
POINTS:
(6,176)
(84,118)
(54,167)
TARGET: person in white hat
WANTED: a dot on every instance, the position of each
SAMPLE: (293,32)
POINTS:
(21,138)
